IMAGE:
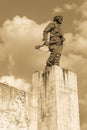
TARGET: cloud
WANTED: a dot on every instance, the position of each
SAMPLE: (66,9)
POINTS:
(20,28)
(75,51)
(64,8)
(17,83)
(70,6)
(83,9)
(75,58)
(18,54)
(84,100)
(81,27)
(77,45)
(57,10)
(84,126)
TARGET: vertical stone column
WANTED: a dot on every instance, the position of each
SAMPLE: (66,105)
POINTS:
(58,99)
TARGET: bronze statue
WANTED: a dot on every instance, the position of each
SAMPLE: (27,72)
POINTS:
(55,42)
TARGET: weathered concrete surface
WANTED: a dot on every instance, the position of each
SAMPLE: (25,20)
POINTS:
(58,99)
(18,109)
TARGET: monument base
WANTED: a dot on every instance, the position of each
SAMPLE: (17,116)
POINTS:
(58,99)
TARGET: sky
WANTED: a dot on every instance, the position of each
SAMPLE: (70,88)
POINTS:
(21,28)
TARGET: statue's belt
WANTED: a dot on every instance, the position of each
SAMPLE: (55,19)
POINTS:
(55,43)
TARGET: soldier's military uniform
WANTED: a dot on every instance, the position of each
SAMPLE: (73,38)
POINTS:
(55,41)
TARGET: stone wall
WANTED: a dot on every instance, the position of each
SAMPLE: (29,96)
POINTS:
(52,104)
(18,109)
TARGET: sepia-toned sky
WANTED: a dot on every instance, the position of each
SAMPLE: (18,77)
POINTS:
(21,28)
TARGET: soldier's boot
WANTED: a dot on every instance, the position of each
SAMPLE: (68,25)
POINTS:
(47,70)
(48,66)
(51,60)
(57,59)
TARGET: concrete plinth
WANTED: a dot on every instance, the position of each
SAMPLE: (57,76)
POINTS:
(58,99)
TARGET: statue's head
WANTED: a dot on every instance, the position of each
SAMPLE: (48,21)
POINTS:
(58,19)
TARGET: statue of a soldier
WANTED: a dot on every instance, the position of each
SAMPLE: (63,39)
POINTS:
(55,43)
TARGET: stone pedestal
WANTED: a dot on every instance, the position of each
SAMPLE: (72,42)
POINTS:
(58,99)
